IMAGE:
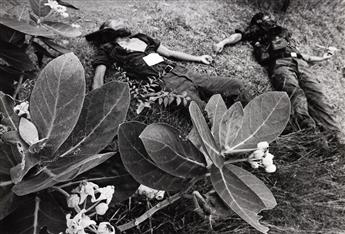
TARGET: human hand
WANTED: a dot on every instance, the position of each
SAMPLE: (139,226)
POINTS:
(328,55)
(218,48)
(206,59)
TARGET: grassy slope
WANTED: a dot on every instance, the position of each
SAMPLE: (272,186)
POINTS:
(192,26)
(309,182)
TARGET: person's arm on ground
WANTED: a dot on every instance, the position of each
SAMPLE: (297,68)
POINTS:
(233,39)
(98,79)
(313,59)
(168,53)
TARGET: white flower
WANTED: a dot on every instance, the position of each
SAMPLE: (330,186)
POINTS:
(257,154)
(86,189)
(106,193)
(101,208)
(255,165)
(65,42)
(75,25)
(259,158)
(263,145)
(22,109)
(60,9)
(271,168)
(105,228)
(52,4)
(64,14)
(78,223)
(150,193)
(160,195)
(73,200)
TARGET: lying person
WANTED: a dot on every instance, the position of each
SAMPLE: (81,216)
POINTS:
(288,70)
(143,57)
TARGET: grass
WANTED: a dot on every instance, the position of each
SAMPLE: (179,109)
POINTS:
(309,182)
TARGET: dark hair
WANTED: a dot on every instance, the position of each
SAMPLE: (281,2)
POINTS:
(256,17)
(105,34)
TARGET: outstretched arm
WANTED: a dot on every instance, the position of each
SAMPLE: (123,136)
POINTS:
(312,58)
(233,39)
(98,79)
(164,51)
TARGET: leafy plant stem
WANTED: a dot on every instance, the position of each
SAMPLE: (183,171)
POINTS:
(20,82)
(150,212)
(70,183)
(236,160)
(92,214)
(93,205)
(61,191)
(230,152)
(157,207)
(92,229)
(5,183)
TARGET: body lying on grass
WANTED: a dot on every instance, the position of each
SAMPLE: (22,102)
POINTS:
(288,70)
(143,57)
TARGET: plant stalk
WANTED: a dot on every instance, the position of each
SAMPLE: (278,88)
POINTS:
(149,213)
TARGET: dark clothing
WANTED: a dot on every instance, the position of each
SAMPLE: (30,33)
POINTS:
(273,48)
(178,80)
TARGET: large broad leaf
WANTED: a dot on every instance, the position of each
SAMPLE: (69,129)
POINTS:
(67,4)
(24,27)
(7,198)
(62,29)
(59,48)
(172,153)
(204,132)
(19,171)
(24,162)
(41,211)
(40,52)
(103,110)
(138,163)
(15,56)
(243,193)
(39,8)
(112,172)
(61,170)
(265,118)
(11,36)
(230,125)
(6,108)
(215,109)
(57,99)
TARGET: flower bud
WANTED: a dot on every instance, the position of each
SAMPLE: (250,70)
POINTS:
(105,228)
(255,165)
(160,195)
(263,145)
(101,208)
(269,155)
(270,169)
(266,162)
(258,154)
(73,200)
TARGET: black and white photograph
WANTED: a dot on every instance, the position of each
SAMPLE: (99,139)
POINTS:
(172,116)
